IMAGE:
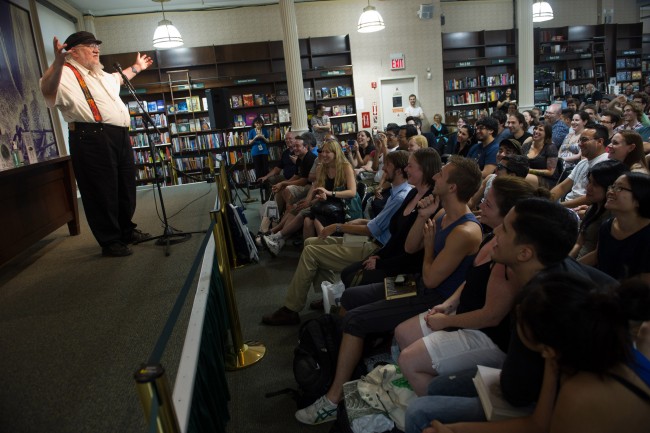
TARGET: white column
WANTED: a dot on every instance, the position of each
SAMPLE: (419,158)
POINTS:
(526,58)
(89,25)
(293,66)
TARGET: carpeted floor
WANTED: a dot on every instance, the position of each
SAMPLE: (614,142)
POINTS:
(74,326)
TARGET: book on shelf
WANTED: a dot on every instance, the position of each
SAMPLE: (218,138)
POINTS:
(325,92)
(152,106)
(171,109)
(238,120)
(488,385)
(248,100)
(205,123)
(348,91)
(401,286)
(260,99)
(267,118)
(183,127)
(236,101)
(204,102)
(284,115)
(160,105)
(250,118)
(318,93)
(349,109)
(336,110)
(193,103)
(309,93)
(341,91)
(274,118)
(139,123)
(270,98)
(181,106)
(334,93)
(134,108)
(282,96)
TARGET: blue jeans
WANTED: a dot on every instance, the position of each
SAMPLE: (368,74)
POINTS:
(451,399)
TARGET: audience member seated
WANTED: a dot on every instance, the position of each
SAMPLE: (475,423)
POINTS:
(595,379)
(611,119)
(510,147)
(472,326)
(296,188)
(462,142)
(517,125)
(405,134)
(450,243)
(440,132)
(542,158)
(503,133)
(391,259)
(284,170)
(485,151)
(571,191)
(552,118)
(321,258)
(334,184)
(601,176)
(531,120)
(417,142)
(569,152)
(632,114)
(360,153)
(623,248)
(534,239)
(627,147)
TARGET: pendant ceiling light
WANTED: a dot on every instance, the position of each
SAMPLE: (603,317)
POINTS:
(542,11)
(370,20)
(166,35)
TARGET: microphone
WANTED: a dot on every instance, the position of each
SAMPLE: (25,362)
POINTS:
(117,67)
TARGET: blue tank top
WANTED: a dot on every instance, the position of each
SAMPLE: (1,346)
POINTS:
(641,366)
(451,283)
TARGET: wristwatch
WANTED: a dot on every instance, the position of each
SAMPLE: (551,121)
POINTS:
(333,194)
(338,228)
(134,70)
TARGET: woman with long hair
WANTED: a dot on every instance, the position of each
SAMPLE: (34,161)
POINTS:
(569,151)
(531,120)
(335,182)
(627,146)
(480,306)
(600,177)
(391,259)
(463,140)
(542,156)
(624,241)
(360,152)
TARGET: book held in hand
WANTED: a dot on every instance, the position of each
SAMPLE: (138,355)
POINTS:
(401,286)
(488,385)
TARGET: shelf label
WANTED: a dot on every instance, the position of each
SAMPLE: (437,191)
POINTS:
(246,81)
(585,56)
(137,91)
(552,57)
(630,52)
(502,61)
(331,73)
(465,64)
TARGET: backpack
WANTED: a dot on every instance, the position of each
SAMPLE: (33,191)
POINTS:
(242,240)
(314,359)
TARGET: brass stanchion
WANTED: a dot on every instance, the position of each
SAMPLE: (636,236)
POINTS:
(153,389)
(242,354)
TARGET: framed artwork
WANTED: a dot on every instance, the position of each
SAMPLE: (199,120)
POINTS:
(25,121)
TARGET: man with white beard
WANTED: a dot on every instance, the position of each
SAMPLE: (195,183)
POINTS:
(98,124)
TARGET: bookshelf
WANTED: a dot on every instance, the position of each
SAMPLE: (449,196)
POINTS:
(629,47)
(478,68)
(254,75)
(571,57)
(645,58)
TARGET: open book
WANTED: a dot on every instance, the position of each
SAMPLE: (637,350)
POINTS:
(401,286)
(487,383)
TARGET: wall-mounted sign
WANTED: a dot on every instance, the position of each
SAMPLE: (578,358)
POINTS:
(397,61)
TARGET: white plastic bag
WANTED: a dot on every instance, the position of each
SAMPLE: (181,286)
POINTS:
(332,294)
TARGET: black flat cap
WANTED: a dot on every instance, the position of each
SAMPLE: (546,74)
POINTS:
(80,38)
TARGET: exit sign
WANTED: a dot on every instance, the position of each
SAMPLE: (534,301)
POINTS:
(397,61)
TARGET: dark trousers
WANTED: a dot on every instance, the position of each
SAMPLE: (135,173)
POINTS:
(261,165)
(103,163)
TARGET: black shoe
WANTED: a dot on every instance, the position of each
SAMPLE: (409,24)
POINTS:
(317,305)
(282,317)
(116,249)
(135,236)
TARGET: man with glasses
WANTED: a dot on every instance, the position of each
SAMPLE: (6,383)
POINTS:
(98,123)
(559,128)
(593,144)
(610,119)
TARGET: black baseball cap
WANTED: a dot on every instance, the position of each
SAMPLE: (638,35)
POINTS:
(80,38)
(517,164)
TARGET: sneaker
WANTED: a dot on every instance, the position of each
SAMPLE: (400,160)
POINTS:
(322,410)
(274,243)
(258,242)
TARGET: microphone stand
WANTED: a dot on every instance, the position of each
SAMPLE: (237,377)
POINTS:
(170,235)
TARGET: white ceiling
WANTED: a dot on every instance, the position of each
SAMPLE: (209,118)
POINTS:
(126,7)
